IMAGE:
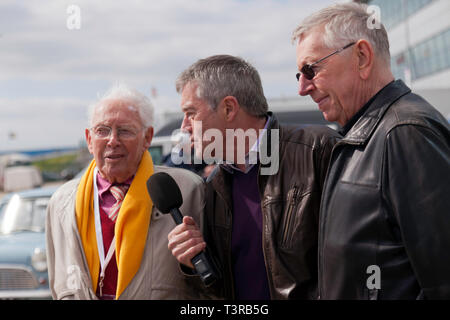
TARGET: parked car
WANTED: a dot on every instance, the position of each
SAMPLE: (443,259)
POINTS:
(23,261)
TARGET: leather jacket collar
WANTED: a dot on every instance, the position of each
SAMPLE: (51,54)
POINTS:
(365,126)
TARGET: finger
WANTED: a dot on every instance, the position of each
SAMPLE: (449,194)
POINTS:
(189,221)
(179,229)
(187,256)
(177,239)
(182,248)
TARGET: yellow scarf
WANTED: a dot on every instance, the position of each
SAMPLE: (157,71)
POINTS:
(131,226)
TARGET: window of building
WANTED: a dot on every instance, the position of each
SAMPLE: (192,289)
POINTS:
(395,11)
(426,58)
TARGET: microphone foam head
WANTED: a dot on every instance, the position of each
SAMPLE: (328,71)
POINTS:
(164,192)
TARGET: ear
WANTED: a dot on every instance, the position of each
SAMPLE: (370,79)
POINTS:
(148,137)
(87,133)
(365,55)
(229,108)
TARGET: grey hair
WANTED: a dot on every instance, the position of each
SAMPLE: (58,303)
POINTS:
(345,23)
(122,92)
(224,75)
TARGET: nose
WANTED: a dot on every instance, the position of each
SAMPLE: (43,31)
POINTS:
(186,125)
(113,139)
(305,86)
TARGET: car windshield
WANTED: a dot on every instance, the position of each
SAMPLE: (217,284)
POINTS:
(23,214)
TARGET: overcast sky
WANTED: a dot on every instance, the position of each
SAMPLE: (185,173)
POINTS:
(49,73)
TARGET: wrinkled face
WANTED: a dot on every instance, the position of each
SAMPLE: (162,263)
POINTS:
(335,81)
(198,117)
(118,154)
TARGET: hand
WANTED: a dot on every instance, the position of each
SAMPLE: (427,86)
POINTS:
(186,241)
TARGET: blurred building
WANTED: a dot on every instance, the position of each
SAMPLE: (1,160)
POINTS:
(419,36)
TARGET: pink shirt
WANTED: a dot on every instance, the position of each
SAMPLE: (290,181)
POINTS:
(106,201)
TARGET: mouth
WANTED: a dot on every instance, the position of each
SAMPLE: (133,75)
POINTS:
(114,157)
(320,102)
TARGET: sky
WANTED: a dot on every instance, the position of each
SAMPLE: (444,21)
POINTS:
(53,65)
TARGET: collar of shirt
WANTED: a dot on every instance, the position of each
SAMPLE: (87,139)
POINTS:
(104,185)
(251,158)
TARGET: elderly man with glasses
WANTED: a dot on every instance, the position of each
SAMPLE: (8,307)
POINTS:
(105,240)
(384,218)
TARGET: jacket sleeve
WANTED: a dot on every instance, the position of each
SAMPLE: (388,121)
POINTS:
(190,275)
(60,274)
(217,288)
(50,249)
(417,186)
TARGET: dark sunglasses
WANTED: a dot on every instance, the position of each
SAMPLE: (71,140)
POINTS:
(308,71)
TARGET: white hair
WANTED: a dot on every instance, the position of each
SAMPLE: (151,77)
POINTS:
(122,92)
(344,23)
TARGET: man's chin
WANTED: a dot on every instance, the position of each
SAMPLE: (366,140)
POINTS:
(328,117)
(117,173)
(114,161)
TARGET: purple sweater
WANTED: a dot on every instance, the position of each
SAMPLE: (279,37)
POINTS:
(250,275)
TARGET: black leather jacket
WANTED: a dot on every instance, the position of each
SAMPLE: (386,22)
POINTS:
(290,207)
(386,204)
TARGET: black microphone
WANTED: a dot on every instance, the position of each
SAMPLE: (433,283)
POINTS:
(166,197)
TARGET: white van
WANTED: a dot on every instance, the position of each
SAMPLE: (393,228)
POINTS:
(20,178)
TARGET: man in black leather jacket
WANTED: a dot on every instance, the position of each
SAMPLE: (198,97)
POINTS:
(385,209)
(261,218)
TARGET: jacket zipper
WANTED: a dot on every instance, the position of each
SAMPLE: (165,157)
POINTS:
(288,222)
(230,267)
(268,271)
(322,223)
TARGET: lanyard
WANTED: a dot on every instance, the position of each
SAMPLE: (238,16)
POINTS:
(98,231)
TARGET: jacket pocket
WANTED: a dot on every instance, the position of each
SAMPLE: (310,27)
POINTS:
(289,217)
(67,295)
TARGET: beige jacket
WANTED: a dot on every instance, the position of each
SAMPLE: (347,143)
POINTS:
(158,277)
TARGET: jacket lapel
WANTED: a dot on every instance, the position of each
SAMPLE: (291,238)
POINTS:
(221,182)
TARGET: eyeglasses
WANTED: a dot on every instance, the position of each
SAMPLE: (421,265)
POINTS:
(123,133)
(308,71)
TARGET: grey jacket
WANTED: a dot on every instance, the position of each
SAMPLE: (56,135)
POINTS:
(158,277)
